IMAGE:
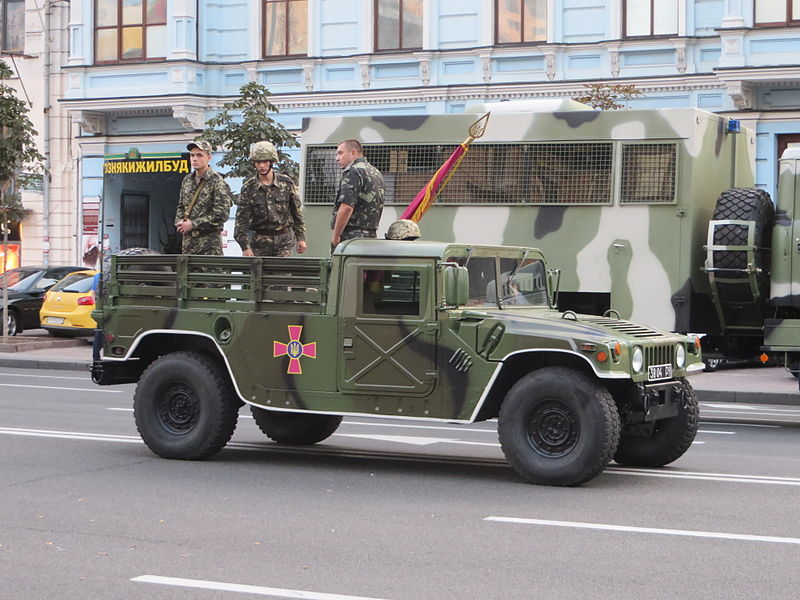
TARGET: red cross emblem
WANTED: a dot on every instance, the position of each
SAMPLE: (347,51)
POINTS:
(294,349)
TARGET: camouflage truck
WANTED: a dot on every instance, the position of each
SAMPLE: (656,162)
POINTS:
(406,329)
(646,212)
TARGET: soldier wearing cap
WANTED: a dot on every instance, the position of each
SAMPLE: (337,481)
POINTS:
(269,216)
(359,203)
(204,204)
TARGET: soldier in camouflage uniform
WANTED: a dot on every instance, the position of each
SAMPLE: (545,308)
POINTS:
(204,204)
(359,203)
(269,217)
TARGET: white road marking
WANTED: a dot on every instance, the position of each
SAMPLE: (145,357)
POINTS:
(44,376)
(51,387)
(717,432)
(629,529)
(724,424)
(134,439)
(245,589)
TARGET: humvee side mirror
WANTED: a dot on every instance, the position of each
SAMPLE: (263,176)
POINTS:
(456,285)
(553,281)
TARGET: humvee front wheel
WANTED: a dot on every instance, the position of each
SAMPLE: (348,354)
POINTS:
(184,406)
(666,440)
(558,426)
(295,428)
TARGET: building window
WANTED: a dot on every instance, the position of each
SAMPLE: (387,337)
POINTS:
(520,21)
(648,18)
(398,24)
(777,12)
(130,30)
(285,27)
(12,25)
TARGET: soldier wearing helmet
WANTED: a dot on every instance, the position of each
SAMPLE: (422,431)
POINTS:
(269,216)
(404,229)
(203,205)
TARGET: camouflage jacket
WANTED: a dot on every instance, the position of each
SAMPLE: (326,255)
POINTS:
(265,209)
(212,208)
(361,187)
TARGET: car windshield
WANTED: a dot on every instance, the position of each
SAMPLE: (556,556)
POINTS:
(523,281)
(79,283)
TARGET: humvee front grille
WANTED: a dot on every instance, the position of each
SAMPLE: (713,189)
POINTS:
(659,355)
(626,327)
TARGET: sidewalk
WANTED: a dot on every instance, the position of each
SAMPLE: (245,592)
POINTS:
(750,385)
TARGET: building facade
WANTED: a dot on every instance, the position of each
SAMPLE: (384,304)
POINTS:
(141,77)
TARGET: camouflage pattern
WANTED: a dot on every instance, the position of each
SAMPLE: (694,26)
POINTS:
(644,258)
(268,215)
(403,229)
(264,151)
(208,215)
(363,188)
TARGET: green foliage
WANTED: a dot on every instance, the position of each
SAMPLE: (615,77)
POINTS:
(244,122)
(17,147)
(605,96)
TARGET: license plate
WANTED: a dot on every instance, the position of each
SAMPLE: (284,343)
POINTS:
(659,372)
(60,321)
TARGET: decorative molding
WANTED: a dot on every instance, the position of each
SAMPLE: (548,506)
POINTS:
(364,68)
(92,122)
(742,93)
(308,75)
(486,67)
(191,118)
(550,63)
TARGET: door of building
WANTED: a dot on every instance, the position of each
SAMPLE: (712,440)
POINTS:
(135,221)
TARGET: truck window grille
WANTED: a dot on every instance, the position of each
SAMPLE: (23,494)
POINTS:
(552,173)
(627,327)
(659,355)
(648,173)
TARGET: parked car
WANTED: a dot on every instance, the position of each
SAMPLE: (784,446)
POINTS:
(68,305)
(26,289)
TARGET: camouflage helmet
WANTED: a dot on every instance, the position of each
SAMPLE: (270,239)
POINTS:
(404,229)
(263,151)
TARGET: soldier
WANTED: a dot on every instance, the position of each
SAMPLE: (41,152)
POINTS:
(204,204)
(269,217)
(359,204)
(403,229)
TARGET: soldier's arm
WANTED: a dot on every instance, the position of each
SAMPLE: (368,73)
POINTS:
(244,217)
(217,210)
(349,188)
(296,207)
(181,205)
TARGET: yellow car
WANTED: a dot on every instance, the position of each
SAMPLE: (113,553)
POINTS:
(68,305)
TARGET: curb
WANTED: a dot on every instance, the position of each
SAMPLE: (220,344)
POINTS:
(734,397)
(44,363)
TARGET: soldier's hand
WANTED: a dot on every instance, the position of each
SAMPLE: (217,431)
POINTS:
(248,252)
(335,239)
(184,227)
(301,246)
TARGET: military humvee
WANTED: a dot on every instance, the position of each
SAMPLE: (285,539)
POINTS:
(433,331)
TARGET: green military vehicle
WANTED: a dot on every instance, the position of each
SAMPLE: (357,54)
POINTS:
(652,213)
(420,330)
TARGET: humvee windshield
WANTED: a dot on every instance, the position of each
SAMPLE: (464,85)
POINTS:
(523,281)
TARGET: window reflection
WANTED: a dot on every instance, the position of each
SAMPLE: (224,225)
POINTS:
(130,30)
(285,27)
(398,24)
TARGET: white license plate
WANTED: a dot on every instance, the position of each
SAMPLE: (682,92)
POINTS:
(55,320)
(659,372)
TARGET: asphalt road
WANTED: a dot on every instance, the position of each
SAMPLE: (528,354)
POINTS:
(381,510)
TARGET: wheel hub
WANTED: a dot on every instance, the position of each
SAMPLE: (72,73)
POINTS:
(179,409)
(553,428)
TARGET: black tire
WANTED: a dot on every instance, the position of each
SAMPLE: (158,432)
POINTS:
(558,426)
(295,428)
(712,364)
(744,204)
(669,438)
(185,406)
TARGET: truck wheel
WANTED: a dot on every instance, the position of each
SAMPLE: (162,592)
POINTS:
(13,323)
(184,406)
(743,204)
(295,428)
(668,440)
(558,426)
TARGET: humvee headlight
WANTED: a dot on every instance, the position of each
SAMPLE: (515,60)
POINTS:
(637,359)
(680,356)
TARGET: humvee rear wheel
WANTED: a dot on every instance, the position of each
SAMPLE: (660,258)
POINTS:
(558,426)
(184,406)
(295,428)
(665,440)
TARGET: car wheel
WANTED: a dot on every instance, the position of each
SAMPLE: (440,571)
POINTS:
(666,440)
(712,364)
(558,426)
(295,428)
(185,406)
(13,322)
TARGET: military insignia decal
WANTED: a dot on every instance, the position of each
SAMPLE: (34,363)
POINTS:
(295,350)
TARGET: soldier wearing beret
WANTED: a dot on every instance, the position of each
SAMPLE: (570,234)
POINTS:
(269,216)
(203,205)
(359,203)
